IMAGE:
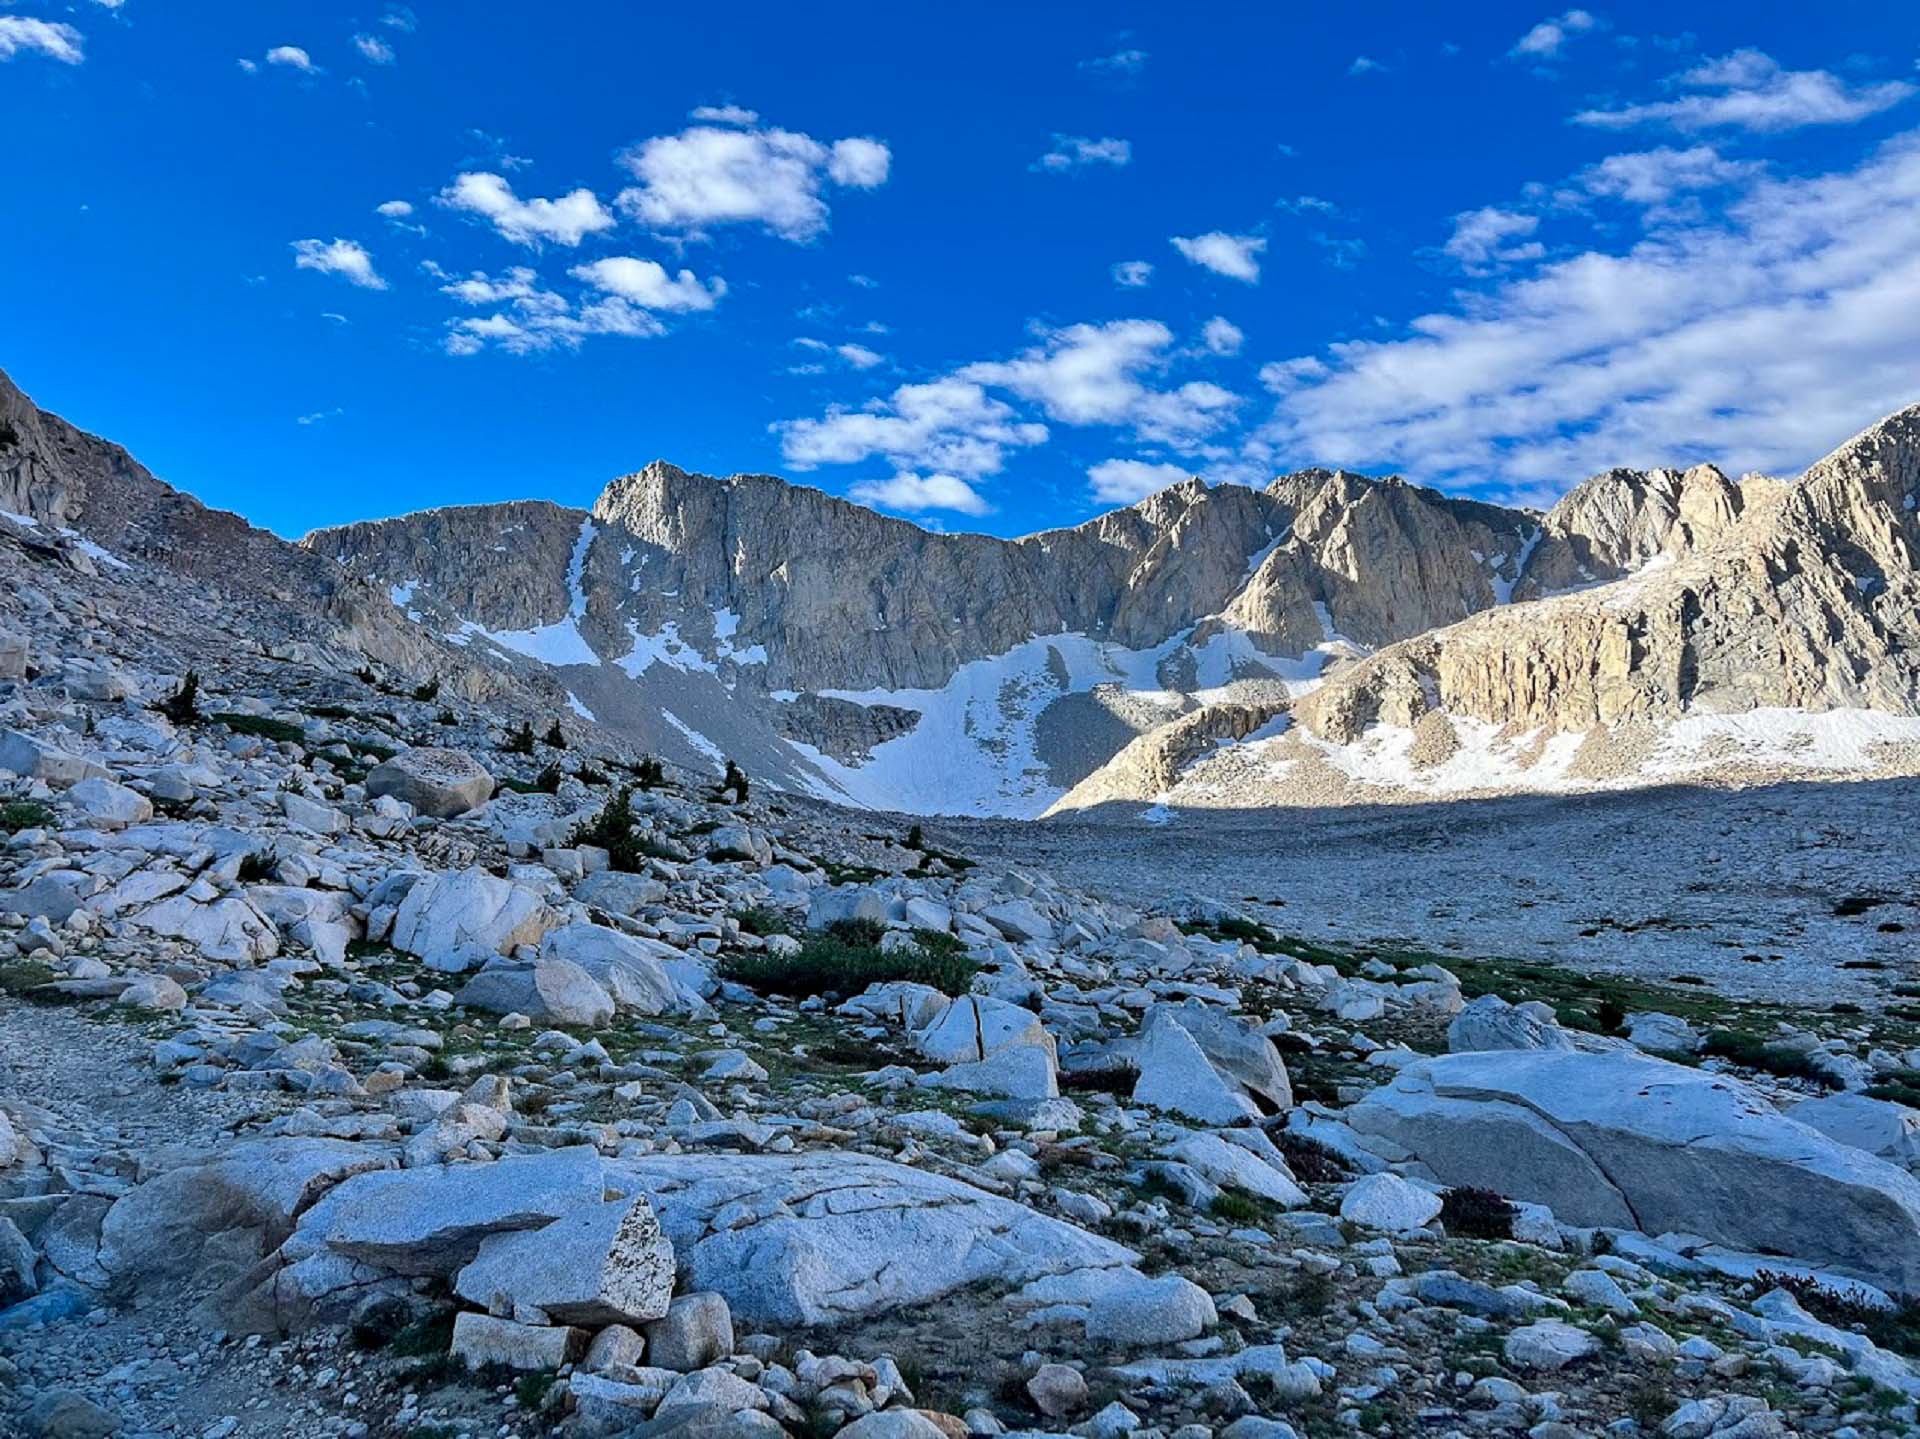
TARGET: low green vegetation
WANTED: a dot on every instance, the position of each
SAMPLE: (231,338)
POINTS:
(616,831)
(1756,1052)
(1897,1328)
(846,957)
(261,727)
(19,814)
(183,705)
(1473,1213)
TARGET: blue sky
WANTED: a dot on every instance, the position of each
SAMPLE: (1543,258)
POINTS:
(997,266)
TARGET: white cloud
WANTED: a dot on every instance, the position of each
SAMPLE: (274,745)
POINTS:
(373,49)
(1480,239)
(1366,65)
(1748,90)
(294,58)
(957,425)
(22,35)
(947,424)
(1121,64)
(1235,256)
(724,115)
(1756,341)
(1127,482)
(393,209)
(1132,274)
(1094,375)
(318,416)
(1221,336)
(1546,40)
(345,258)
(912,494)
(565,221)
(399,17)
(647,284)
(1653,177)
(859,356)
(1076,152)
(859,163)
(534,319)
(707,175)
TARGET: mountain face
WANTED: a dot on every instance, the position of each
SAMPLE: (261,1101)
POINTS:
(1208,645)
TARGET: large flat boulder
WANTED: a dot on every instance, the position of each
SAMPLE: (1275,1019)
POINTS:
(250,1195)
(550,991)
(826,1236)
(629,968)
(33,758)
(433,1219)
(438,783)
(1627,1141)
(447,911)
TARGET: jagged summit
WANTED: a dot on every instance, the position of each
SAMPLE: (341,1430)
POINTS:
(859,656)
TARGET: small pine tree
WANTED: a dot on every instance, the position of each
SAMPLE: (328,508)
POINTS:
(549,779)
(521,740)
(652,774)
(367,677)
(446,718)
(183,705)
(734,783)
(556,737)
(915,838)
(428,691)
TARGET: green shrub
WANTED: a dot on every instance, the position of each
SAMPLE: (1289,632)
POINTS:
(862,932)
(19,814)
(1237,1208)
(829,964)
(650,773)
(1472,1213)
(762,921)
(183,705)
(428,691)
(1311,1161)
(1755,1052)
(1897,1328)
(262,727)
(556,738)
(615,831)
(520,741)
(445,717)
(24,974)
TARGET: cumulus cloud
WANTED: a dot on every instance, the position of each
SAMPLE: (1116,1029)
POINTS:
(1097,375)
(533,319)
(859,356)
(1366,65)
(740,173)
(373,49)
(1076,152)
(1221,336)
(293,58)
(964,424)
(565,221)
(393,209)
(1481,239)
(345,258)
(946,425)
(915,494)
(647,284)
(1546,40)
(1757,341)
(1127,482)
(724,115)
(1748,90)
(23,35)
(1654,177)
(1132,274)
(1235,256)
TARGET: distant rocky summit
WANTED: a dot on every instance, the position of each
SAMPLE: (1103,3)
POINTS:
(1330,636)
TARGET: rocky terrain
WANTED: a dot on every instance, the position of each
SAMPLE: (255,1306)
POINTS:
(389,1048)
